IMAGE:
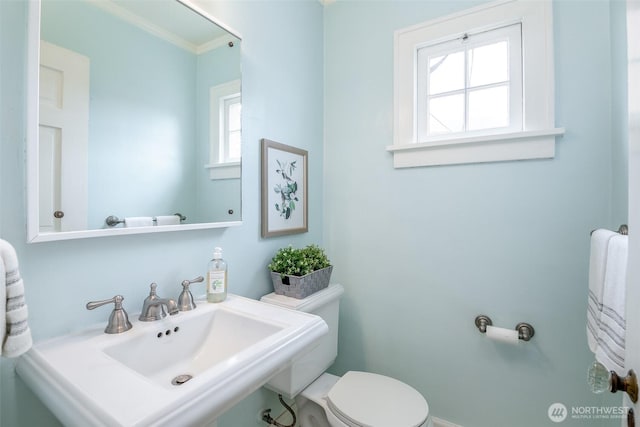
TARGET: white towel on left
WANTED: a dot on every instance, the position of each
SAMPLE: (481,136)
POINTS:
(14,328)
(612,331)
(138,221)
(597,268)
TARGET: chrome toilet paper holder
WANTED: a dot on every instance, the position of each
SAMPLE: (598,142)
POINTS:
(525,330)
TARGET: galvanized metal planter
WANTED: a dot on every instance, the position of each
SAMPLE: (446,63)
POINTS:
(301,286)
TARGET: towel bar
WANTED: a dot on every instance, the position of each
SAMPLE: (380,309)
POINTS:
(623,229)
(113,220)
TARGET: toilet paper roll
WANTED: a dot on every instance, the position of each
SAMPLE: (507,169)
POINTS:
(138,221)
(509,336)
(167,220)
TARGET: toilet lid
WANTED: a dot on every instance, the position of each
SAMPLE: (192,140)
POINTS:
(372,400)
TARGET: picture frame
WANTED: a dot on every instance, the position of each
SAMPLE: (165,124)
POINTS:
(284,189)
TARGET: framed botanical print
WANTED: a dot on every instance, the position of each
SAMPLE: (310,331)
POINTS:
(284,189)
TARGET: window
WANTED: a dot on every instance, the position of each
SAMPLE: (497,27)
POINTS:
(470,84)
(230,130)
(475,87)
(225,131)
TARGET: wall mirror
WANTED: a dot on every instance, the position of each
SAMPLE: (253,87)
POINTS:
(134,119)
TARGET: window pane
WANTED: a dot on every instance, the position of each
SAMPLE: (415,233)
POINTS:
(234,145)
(446,73)
(446,114)
(488,64)
(234,116)
(489,108)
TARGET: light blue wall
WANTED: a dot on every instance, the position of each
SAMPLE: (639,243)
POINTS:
(422,251)
(283,89)
(619,116)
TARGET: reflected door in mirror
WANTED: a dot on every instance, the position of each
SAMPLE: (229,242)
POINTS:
(63,139)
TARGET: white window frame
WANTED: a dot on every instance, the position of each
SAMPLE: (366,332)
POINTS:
(219,167)
(537,137)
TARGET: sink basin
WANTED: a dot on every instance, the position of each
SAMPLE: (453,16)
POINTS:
(183,370)
(193,346)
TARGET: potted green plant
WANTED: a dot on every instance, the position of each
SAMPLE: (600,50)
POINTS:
(300,272)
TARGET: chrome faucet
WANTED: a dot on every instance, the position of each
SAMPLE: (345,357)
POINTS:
(118,320)
(153,307)
(185,300)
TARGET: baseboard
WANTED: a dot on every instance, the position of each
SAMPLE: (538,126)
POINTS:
(285,419)
(437,422)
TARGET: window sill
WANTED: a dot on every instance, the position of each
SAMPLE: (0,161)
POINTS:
(478,149)
(229,170)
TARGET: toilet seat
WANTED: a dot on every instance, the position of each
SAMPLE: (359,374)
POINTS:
(363,399)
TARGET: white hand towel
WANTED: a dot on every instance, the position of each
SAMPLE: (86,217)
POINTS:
(597,266)
(168,220)
(138,221)
(14,328)
(612,331)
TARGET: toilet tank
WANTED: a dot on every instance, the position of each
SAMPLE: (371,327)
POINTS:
(304,370)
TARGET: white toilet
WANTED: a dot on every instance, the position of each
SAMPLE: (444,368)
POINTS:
(357,399)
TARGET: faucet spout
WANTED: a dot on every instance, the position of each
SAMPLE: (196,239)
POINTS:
(172,305)
(155,308)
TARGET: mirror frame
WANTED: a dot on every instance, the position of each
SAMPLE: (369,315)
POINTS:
(32,121)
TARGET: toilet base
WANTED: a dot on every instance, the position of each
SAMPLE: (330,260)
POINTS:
(312,415)
(311,402)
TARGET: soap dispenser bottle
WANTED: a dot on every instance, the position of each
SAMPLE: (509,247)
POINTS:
(217,277)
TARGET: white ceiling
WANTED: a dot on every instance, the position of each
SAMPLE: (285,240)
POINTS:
(170,20)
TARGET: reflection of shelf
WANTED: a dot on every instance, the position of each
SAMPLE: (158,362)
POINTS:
(223,170)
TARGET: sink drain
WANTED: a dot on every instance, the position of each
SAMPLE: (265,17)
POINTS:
(181,379)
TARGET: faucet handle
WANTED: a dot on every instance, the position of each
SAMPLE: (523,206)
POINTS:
(118,320)
(185,300)
(198,279)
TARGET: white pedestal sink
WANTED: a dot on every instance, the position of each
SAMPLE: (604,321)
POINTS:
(184,370)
